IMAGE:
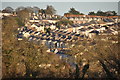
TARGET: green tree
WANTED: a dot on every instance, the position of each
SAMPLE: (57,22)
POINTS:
(103,56)
(36,9)
(111,13)
(50,10)
(64,22)
(19,8)
(100,13)
(21,59)
(42,11)
(23,16)
(73,11)
(114,13)
(8,10)
(91,13)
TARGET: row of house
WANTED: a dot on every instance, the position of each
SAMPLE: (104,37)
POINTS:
(64,35)
(35,29)
(55,35)
(84,29)
(88,18)
(40,26)
(40,16)
(83,20)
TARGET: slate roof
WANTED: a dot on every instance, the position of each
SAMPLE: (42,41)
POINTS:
(95,31)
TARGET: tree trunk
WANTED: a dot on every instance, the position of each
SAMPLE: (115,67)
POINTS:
(109,74)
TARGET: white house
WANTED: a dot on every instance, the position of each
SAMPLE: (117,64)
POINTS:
(102,29)
(34,20)
(33,26)
(52,26)
(55,51)
(40,28)
(26,35)
(51,21)
(35,17)
(48,50)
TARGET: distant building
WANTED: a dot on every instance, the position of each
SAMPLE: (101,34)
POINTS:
(88,18)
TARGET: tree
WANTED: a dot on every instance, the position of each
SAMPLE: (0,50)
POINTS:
(101,13)
(7,45)
(8,10)
(42,11)
(103,53)
(36,9)
(111,13)
(29,9)
(73,11)
(19,9)
(22,58)
(50,10)
(108,57)
(114,13)
(20,23)
(64,22)
(91,13)
(23,16)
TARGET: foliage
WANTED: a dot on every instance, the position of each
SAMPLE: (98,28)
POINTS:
(103,56)
(91,13)
(22,58)
(42,11)
(19,22)
(19,8)
(8,10)
(50,10)
(29,9)
(101,13)
(23,16)
(64,22)
(36,9)
(73,11)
